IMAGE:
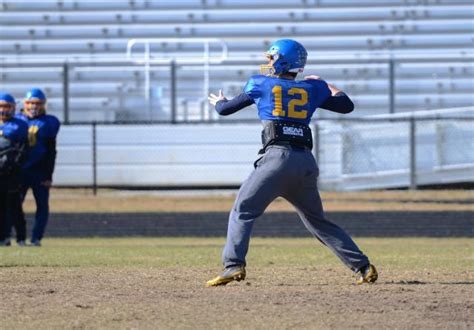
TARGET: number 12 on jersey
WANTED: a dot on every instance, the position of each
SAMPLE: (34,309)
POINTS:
(302,100)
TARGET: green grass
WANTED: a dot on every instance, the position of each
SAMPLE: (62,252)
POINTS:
(396,253)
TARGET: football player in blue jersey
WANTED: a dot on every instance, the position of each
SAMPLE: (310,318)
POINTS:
(39,167)
(13,146)
(287,167)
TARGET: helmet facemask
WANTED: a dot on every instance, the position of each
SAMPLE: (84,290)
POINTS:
(7,110)
(268,69)
(34,107)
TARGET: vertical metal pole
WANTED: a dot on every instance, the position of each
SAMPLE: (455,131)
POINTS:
(147,80)
(391,89)
(203,106)
(440,138)
(206,79)
(173,91)
(346,149)
(94,158)
(412,154)
(185,110)
(66,93)
(202,110)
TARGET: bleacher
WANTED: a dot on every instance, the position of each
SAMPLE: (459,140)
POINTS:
(431,42)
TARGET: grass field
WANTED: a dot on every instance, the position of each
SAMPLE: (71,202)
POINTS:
(291,283)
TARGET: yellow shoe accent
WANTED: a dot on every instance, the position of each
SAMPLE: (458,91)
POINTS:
(231,274)
(370,276)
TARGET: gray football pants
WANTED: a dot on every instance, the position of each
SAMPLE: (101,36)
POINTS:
(291,173)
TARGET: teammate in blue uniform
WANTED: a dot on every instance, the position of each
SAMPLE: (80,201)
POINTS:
(13,146)
(287,167)
(39,167)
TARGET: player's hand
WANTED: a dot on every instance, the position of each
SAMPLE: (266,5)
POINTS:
(314,77)
(213,99)
(46,183)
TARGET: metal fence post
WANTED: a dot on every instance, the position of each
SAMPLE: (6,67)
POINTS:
(173,91)
(391,89)
(94,158)
(412,154)
(66,93)
(206,80)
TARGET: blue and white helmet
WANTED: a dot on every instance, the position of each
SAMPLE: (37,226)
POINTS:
(288,56)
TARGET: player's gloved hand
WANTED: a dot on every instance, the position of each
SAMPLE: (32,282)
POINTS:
(213,99)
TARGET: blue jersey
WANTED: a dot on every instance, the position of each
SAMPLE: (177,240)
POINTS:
(284,99)
(14,130)
(41,130)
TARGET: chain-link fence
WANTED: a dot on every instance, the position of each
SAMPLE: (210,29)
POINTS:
(396,153)
(351,153)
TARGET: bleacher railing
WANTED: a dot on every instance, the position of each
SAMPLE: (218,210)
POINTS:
(150,58)
(167,97)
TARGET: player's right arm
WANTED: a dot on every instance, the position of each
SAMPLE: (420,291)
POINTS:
(227,107)
(250,95)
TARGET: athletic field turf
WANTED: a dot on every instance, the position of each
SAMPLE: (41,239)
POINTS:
(291,283)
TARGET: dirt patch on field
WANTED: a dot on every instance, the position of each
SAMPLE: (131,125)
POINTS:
(72,201)
(291,284)
(271,298)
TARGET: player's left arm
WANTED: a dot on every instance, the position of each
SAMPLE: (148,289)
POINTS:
(227,107)
(50,157)
(338,101)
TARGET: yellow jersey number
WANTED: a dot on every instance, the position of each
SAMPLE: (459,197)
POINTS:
(302,100)
(32,132)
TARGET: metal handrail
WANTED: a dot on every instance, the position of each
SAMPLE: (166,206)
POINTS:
(355,58)
(196,60)
(206,59)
